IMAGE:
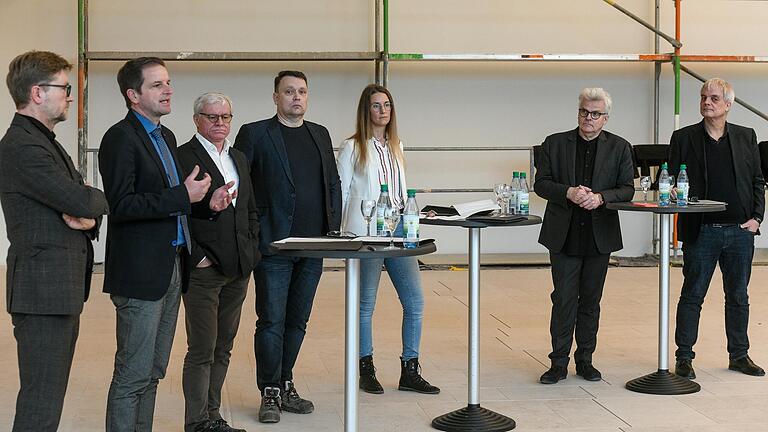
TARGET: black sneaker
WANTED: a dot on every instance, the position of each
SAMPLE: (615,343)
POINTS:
(588,372)
(221,425)
(554,374)
(269,412)
(292,402)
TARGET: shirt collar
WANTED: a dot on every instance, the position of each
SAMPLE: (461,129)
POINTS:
(210,147)
(38,124)
(148,125)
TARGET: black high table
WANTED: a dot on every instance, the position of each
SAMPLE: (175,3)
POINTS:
(352,304)
(662,382)
(473,417)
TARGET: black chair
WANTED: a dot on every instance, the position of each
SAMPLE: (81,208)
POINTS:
(763,147)
(649,156)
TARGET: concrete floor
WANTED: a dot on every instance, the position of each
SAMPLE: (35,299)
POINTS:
(514,346)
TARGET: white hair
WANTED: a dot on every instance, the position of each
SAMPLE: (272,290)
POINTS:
(596,94)
(210,99)
(728,94)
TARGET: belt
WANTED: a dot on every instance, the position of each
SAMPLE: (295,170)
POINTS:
(721,225)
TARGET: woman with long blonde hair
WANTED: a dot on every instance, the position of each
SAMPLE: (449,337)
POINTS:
(372,157)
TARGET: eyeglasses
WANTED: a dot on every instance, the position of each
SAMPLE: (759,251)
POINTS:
(213,118)
(386,106)
(67,87)
(594,115)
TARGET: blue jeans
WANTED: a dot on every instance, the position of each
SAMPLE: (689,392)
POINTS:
(145,332)
(285,290)
(733,248)
(404,273)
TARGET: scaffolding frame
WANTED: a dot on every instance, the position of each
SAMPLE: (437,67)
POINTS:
(381,56)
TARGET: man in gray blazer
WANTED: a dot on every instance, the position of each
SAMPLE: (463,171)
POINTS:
(51,216)
(578,230)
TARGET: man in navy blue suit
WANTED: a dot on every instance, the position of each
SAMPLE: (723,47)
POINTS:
(297,193)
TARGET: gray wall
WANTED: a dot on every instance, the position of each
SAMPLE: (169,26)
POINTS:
(439,104)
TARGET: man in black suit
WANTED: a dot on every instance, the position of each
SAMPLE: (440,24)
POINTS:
(579,171)
(297,192)
(723,164)
(51,216)
(148,239)
(225,251)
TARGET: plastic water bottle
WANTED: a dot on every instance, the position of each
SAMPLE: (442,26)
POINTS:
(682,186)
(381,204)
(523,196)
(515,186)
(411,221)
(664,186)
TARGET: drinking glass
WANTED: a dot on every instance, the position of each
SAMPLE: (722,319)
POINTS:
(645,184)
(368,208)
(391,218)
(506,194)
(497,190)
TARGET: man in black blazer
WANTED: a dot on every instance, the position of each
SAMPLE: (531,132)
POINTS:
(297,192)
(723,164)
(148,240)
(225,251)
(51,216)
(578,172)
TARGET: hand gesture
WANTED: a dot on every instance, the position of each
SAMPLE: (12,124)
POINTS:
(196,189)
(78,223)
(221,197)
(577,194)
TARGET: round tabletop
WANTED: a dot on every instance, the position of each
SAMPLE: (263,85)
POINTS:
(366,251)
(653,207)
(469,223)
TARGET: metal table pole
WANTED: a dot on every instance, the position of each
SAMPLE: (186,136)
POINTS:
(662,382)
(352,342)
(473,417)
(474,317)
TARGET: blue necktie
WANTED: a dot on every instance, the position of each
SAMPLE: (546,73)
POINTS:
(173,179)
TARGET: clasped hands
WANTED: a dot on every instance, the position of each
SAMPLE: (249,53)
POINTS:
(221,197)
(584,197)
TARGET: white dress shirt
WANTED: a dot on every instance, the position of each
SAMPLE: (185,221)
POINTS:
(223,161)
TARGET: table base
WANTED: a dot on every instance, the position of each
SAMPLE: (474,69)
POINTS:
(473,418)
(663,382)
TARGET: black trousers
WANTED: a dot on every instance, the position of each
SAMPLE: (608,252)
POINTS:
(46,345)
(578,286)
(212,307)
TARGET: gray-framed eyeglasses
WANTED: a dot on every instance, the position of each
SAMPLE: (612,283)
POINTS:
(594,115)
(213,118)
(386,106)
(67,87)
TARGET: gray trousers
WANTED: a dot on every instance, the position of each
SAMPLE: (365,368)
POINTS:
(145,332)
(46,345)
(212,305)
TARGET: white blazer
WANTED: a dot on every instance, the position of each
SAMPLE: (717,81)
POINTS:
(357,186)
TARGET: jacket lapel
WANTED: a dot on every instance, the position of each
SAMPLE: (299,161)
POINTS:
(277,140)
(63,157)
(147,142)
(601,159)
(217,179)
(570,155)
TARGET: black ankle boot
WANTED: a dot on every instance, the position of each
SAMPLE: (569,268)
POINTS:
(411,380)
(368,381)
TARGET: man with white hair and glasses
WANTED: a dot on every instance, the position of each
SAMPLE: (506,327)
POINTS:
(225,251)
(723,164)
(578,230)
